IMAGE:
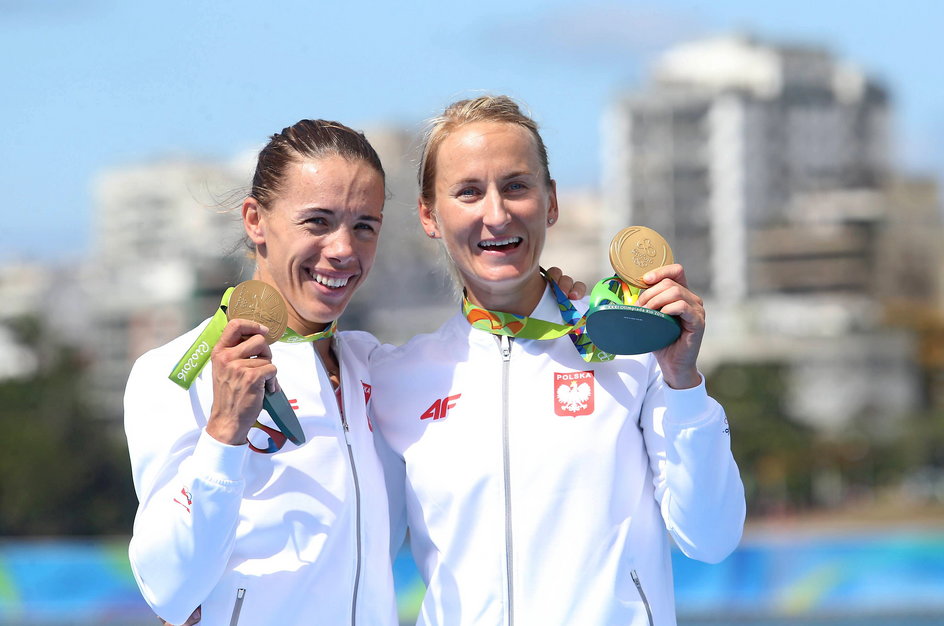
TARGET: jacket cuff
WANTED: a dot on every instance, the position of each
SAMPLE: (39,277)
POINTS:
(688,407)
(216,459)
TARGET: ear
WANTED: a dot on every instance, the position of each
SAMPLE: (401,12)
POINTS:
(553,212)
(253,221)
(428,219)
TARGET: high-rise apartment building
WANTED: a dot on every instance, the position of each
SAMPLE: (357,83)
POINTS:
(166,242)
(768,169)
(729,133)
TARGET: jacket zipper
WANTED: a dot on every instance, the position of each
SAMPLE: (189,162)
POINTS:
(357,517)
(357,514)
(357,489)
(237,607)
(642,594)
(505,343)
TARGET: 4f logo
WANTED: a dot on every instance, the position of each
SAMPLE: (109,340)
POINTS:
(438,409)
(573,393)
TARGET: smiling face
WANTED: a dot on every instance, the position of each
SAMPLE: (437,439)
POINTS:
(491,207)
(317,240)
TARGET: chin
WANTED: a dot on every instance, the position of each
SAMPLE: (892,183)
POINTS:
(319,314)
(503,273)
(500,278)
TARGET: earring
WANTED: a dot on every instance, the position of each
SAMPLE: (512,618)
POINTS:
(550,221)
(431,234)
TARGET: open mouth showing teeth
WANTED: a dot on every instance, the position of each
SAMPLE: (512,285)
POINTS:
(508,243)
(333,283)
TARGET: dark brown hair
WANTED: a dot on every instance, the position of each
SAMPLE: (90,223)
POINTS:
(307,139)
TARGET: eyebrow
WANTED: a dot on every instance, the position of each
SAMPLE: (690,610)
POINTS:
(331,212)
(520,174)
(516,174)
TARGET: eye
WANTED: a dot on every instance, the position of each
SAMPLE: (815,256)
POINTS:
(467,193)
(365,226)
(316,221)
(516,186)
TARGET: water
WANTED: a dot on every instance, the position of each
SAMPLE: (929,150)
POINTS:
(849,579)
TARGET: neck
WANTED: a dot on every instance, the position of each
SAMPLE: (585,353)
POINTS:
(323,347)
(303,327)
(330,361)
(520,301)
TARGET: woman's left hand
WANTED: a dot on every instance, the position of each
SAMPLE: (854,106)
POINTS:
(668,292)
(574,290)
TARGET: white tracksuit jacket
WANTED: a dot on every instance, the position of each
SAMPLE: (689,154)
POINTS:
(302,532)
(541,489)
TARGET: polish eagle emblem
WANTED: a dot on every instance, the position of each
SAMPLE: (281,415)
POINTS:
(573,397)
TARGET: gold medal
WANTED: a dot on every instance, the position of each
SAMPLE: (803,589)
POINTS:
(615,324)
(636,250)
(259,302)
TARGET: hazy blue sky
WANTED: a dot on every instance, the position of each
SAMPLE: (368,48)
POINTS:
(90,84)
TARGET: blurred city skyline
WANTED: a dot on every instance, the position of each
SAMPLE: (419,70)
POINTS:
(98,84)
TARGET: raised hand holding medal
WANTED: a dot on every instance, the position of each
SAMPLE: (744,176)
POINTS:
(257,301)
(615,323)
(229,336)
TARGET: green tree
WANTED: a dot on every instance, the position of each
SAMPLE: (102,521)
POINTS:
(64,471)
(774,453)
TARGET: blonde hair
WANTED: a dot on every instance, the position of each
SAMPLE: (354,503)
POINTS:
(501,109)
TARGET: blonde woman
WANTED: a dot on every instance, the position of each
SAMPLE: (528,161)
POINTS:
(540,487)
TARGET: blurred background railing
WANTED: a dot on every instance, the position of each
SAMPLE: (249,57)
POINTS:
(785,577)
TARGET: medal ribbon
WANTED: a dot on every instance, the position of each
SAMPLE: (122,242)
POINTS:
(575,325)
(195,358)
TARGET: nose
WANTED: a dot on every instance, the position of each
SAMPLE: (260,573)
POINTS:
(340,245)
(495,214)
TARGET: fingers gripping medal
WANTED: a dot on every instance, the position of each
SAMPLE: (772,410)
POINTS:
(259,302)
(614,323)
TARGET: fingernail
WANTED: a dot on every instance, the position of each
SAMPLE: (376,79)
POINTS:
(648,277)
(264,329)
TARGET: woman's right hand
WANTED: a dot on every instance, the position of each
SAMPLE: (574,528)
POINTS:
(242,371)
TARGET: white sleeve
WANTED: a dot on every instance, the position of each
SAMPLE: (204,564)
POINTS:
(697,482)
(189,489)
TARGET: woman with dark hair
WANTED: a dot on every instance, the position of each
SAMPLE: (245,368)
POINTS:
(270,532)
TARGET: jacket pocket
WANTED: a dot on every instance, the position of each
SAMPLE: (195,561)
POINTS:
(238,606)
(642,596)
